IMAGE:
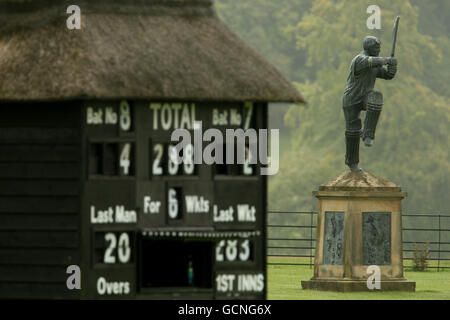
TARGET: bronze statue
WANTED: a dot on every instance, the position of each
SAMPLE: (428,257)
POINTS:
(359,95)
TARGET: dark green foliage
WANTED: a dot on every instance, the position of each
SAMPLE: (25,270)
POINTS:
(265,25)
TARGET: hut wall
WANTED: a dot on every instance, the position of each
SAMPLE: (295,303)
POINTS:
(39,199)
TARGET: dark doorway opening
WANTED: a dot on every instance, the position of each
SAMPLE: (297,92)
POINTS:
(176,263)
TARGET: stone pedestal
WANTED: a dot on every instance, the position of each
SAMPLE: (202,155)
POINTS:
(359,225)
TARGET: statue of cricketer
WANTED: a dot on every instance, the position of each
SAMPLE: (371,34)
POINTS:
(359,95)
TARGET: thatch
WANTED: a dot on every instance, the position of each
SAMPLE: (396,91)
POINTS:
(134,49)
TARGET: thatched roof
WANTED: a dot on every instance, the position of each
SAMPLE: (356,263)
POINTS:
(135,49)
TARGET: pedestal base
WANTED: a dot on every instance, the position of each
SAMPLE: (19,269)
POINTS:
(359,225)
(355,285)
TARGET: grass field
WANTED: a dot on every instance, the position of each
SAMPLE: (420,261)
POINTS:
(284,283)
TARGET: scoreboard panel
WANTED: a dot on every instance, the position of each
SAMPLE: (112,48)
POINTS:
(153,228)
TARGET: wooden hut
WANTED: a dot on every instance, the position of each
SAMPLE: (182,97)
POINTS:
(85,173)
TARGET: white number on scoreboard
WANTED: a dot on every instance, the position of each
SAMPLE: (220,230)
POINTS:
(125,159)
(123,252)
(125,116)
(165,160)
(174,205)
(229,250)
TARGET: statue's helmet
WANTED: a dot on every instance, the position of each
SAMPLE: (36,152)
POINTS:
(372,45)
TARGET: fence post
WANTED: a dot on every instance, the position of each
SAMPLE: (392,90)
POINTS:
(439,242)
(310,239)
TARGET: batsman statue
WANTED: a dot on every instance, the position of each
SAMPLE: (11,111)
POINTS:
(359,95)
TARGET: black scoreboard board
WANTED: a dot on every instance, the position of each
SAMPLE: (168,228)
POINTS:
(152,228)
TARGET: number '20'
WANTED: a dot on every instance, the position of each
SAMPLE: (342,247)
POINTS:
(122,246)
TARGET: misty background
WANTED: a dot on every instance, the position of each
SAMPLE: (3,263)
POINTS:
(312,42)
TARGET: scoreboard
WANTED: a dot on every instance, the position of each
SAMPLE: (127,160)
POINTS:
(156,228)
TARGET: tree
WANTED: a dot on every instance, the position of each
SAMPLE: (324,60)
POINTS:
(263,25)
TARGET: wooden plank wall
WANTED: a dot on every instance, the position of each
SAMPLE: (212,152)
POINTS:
(39,198)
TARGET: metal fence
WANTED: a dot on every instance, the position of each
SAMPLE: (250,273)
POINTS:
(293,234)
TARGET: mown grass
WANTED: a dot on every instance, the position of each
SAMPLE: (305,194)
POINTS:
(284,283)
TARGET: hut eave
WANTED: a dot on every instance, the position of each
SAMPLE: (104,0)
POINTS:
(136,56)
